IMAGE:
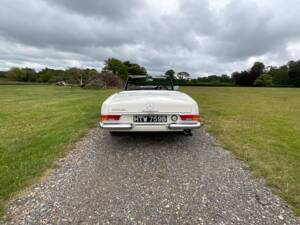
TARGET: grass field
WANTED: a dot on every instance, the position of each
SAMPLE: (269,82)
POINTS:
(260,125)
(38,123)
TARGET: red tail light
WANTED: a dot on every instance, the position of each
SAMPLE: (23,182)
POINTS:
(110,117)
(191,117)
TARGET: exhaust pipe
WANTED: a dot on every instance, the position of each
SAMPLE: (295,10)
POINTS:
(187,132)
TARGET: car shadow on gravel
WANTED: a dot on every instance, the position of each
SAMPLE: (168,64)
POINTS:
(151,137)
(155,142)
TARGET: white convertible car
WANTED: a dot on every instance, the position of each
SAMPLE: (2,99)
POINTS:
(150,104)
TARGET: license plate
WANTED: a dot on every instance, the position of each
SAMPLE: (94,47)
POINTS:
(150,119)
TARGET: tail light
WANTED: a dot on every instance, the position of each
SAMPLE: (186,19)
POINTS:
(191,117)
(110,117)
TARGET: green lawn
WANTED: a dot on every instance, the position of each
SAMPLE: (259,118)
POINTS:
(262,127)
(37,124)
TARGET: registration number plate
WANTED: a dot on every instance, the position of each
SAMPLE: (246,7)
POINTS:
(150,119)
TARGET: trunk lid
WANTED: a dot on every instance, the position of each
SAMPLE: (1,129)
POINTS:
(150,102)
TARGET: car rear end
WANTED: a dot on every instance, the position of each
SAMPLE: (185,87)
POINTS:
(150,122)
(150,111)
(150,108)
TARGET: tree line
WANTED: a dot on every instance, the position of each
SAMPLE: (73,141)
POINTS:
(74,75)
(257,75)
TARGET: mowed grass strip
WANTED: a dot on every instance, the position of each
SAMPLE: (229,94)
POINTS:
(260,125)
(37,124)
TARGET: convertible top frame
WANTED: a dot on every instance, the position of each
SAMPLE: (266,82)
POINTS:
(137,77)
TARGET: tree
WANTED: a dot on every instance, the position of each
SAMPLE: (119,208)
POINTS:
(90,74)
(22,74)
(183,76)
(256,70)
(225,78)
(75,76)
(116,67)
(264,80)
(242,78)
(15,74)
(30,74)
(46,75)
(280,76)
(170,73)
(247,78)
(235,76)
(135,69)
(3,74)
(294,72)
(84,76)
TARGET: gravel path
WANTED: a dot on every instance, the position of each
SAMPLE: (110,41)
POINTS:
(149,179)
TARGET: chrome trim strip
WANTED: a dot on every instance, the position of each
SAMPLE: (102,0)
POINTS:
(117,126)
(184,125)
(129,126)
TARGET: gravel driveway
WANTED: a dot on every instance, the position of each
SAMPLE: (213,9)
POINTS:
(149,179)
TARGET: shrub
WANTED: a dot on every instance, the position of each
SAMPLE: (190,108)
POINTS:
(105,80)
(264,80)
(22,74)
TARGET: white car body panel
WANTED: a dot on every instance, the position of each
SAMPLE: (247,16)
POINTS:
(149,102)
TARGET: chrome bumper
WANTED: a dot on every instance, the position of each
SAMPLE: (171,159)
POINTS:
(116,126)
(129,126)
(174,126)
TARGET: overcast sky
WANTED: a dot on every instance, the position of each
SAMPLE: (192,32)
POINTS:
(198,36)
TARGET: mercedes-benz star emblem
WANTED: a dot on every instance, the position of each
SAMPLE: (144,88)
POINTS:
(149,107)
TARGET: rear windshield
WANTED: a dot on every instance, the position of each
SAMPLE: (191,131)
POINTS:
(149,83)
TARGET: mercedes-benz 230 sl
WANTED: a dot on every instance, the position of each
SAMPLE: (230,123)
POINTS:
(150,104)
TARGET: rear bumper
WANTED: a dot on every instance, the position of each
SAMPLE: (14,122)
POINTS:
(116,126)
(149,127)
(175,126)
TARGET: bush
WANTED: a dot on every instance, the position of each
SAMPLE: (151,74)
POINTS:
(264,80)
(280,76)
(105,80)
(22,74)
